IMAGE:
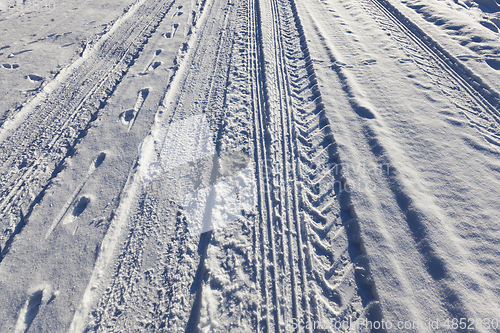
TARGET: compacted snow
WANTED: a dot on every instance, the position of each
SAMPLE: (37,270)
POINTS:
(250,166)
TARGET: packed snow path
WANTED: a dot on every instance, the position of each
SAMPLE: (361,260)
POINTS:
(269,166)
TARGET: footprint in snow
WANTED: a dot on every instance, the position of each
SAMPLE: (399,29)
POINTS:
(80,206)
(34,77)
(369,62)
(175,26)
(493,63)
(177,12)
(12,55)
(32,306)
(127,116)
(10,66)
(490,25)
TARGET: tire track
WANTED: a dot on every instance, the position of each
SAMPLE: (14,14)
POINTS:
(309,262)
(338,271)
(476,100)
(435,67)
(167,297)
(266,274)
(232,250)
(34,151)
(288,189)
(479,103)
(317,237)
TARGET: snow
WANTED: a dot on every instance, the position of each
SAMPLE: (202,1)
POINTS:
(250,166)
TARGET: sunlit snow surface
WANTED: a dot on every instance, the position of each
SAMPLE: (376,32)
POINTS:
(369,129)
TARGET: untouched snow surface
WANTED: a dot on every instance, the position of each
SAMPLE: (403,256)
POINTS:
(250,166)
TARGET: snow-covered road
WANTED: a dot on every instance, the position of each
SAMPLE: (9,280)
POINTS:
(253,166)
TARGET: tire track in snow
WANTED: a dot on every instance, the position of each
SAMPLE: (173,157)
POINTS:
(330,279)
(300,220)
(213,107)
(342,286)
(167,296)
(231,292)
(264,239)
(479,103)
(56,121)
(294,304)
(434,264)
